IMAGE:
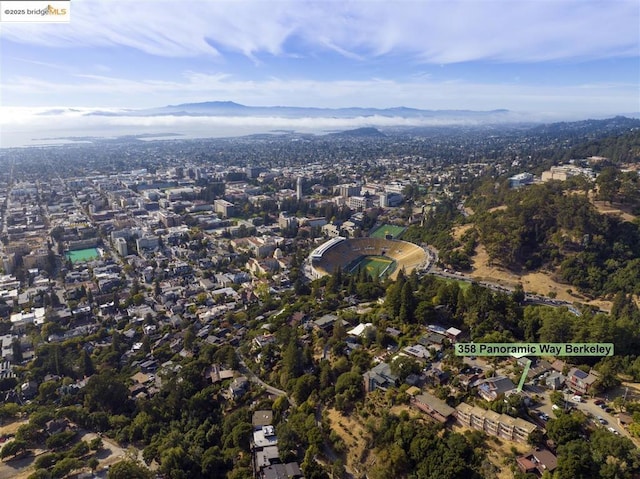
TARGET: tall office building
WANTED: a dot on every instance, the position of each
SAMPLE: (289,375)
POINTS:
(121,247)
(299,188)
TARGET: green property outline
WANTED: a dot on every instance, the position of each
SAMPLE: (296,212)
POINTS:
(524,374)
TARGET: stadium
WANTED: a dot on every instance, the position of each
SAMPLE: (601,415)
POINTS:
(380,257)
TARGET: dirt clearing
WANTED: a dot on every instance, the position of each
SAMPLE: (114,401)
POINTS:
(535,282)
(359,458)
(605,208)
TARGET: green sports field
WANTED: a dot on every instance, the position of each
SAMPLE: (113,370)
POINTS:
(375,266)
(82,255)
(385,230)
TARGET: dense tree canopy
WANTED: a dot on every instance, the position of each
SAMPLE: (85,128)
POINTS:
(547,225)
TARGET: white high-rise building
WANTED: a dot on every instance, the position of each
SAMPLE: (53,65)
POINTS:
(299,189)
(121,246)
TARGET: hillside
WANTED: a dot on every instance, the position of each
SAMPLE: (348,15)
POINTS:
(622,148)
(544,227)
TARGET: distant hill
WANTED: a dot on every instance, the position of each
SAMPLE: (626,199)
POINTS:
(619,148)
(613,125)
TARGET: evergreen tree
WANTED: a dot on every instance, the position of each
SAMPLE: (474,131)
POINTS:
(407,304)
(291,362)
(16,350)
(339,331)
(393,301)
(86,363)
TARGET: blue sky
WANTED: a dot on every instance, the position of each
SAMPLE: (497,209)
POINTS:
(560,59)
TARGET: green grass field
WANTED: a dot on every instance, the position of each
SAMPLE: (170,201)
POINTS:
(383,230)
(82,255)
(375,266)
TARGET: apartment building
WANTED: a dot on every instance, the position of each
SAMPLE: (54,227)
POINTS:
(500,425)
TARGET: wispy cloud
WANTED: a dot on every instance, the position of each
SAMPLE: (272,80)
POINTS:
(431,31)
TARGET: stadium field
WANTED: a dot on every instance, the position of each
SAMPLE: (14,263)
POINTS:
(347,254)
(385,231)
(375,266)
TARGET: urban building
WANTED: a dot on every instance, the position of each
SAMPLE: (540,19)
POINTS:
(360,203)
(520,180)
(349,190)
(121,246)
(147,242)
(299,188)
(224,207)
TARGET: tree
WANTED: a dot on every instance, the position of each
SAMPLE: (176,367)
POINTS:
(403,366)
(213,462)
(96,444)
(536,438)
(106,392)
(48,391)
(128,469)
(9,410)
(557,398)
(189,338)
(393,299)
(175,463)
(407,303)
(292,366)
(13,448)
(565,428)
(60,439)
(608,378)
(339,331)
(40,474)
(608,184)
(80,449)
(518,295)
(575,461)
(348,389)
(29,433)
(16,349)
(305,385)
(86,364)
(311,467)
(65,466)
(241,435)
(93,464)
(45,461)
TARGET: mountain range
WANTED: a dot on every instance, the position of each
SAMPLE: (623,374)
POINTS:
(229,108)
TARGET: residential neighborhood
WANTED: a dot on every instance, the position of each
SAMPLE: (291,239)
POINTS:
(275,308)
